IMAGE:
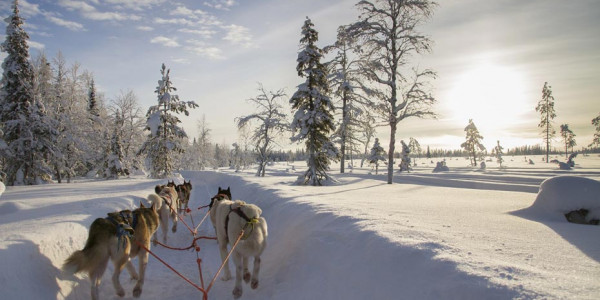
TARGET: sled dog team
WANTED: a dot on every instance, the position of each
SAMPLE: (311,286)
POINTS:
(123,235)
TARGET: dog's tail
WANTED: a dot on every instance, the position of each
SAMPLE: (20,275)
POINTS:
(155,200)
(86,260)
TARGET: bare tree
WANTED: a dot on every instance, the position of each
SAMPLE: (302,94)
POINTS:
(271,121)
(389,36)
(344,81)
(126,108)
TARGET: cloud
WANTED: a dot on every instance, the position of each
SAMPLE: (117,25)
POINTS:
(165,41)
(204,50)
(205,33)
(184,61)
(137,5)
(68,24)
(174,21)
(145,28)
(90,12)
(220,4)
(212,53)
(184,11)
(36,45)
(239,35)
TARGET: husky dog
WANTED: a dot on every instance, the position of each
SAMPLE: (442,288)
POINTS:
(184,191)
(116,237)
(222,195)
(166,201)
(232,218)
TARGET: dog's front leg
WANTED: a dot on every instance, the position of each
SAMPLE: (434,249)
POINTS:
(131,269)
(143,261)
(246,272)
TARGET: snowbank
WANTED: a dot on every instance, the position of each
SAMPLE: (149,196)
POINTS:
(562,194)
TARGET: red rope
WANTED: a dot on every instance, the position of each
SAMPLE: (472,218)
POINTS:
(225,261)
(202,221)
(204,292)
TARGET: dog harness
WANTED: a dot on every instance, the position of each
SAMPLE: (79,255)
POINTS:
(217,197)
(124,228)
(249,221)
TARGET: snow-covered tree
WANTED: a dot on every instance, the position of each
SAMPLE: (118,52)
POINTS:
(498,152)
(568,138)
(546,108)
(126,106)
(270,123)
(113,161)
(404,158)
(165,135)
(345,83)
(389,36)
(473,145)
(366,123)
(92,105)
(414,147)
(28,134)
(313,120)
(596,140)
(205,150)
(377,154)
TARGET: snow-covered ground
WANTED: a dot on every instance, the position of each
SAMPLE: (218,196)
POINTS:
(462,234)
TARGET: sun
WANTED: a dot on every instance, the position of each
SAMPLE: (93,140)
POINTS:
(492,95)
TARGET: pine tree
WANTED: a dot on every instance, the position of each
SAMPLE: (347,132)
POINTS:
(546,108)
(596,140)
(313,120)
(568,137)
(377,154)
(473,145)
(165,135)
(428,155)
(92,105)
(498,152)
(28,134)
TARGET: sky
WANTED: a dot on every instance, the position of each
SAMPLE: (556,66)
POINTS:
(491,57)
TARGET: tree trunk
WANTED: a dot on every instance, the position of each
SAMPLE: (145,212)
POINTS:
(393,127)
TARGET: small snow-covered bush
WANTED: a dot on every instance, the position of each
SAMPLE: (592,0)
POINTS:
(565,194)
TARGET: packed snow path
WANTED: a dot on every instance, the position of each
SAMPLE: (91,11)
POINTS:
(428,237)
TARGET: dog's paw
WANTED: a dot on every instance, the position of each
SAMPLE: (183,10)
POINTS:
(254,283)
(137,292)
(120,292)
(246,276)
(226,277)
(237,292)
(174,229)
(134,277)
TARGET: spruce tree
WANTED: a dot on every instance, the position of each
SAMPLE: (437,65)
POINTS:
(546,109)
(313,120)
(498,152)
(596,140)
(164,140)
(92,105)
(377,154)
(473,144)
(568,138)
(28,134)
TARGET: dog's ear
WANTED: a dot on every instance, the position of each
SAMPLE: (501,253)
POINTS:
(142,204)
(157,189)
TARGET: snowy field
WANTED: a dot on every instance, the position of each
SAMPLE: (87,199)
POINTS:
(462,234)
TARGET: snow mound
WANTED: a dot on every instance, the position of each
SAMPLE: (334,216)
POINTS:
(10,207)
(2,188)
(563,194)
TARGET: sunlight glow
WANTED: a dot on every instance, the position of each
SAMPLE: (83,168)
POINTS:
(493,96)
